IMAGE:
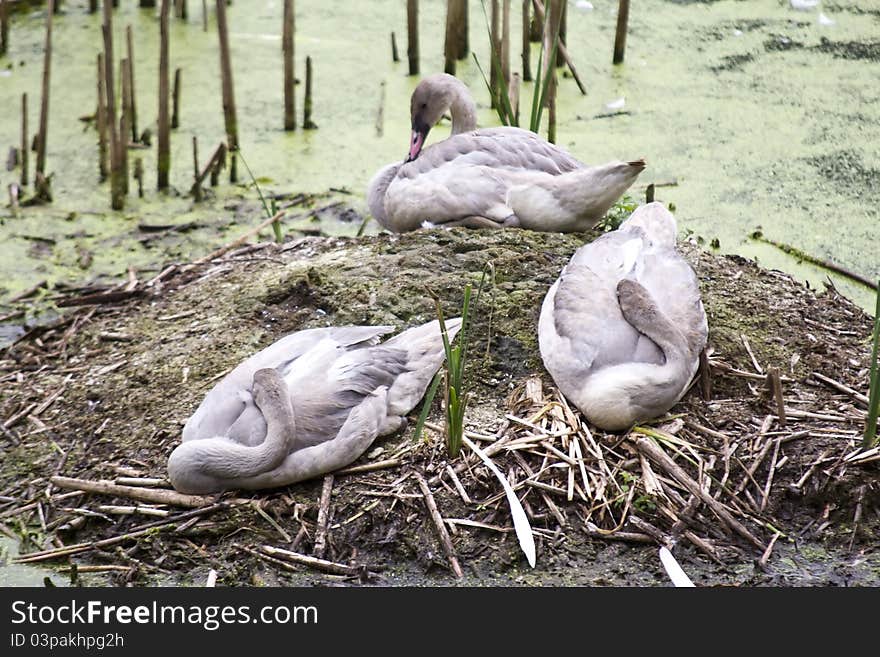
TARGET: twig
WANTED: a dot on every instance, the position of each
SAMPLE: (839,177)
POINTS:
(438,523)
(776,390)
(161,525)
(240,240)
(457,483)
(593,531)
(766,492)
(837,385)
(278,528)
(323,517)
(369,467)
(312,562)
(748,347)
(809,473)
(157,496)
(653,452)
(766,556)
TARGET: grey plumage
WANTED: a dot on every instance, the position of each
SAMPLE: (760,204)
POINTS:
(621,329)
(344,388)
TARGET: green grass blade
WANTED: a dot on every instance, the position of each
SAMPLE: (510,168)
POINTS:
(276,225)
(426,405)
(498,109)
(500,96)
(465,311)
(545,83)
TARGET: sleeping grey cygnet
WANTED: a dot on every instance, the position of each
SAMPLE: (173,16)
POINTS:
(310,403)
(622,329)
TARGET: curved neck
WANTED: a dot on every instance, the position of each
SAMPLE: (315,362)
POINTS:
(464,113)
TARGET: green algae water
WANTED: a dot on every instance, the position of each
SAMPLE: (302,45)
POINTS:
(750,115)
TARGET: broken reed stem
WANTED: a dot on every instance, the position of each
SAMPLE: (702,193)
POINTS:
(450,43)
(218,164)
(560,47)
(44,100)
(461,23)
(175,101)
(650,449)
(312,562)
(228,91)
(620,34)
(117,197)
(197,187)
(204,15)
(308,124)
(526,43)
(132,110)
(287,46)
(180,9)
(163,164)
(550,68)
(705,376)
(563,20)
(124,123)
(213,167)
(649,193)
(395,56)
(513,96)
(139,175)
(4,26)
(24,140)
(412,35)
(101,116)
(776,390)
(323,517)
(442,532)
(819,262)
(140,493)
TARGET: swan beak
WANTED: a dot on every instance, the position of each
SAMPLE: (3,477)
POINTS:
(419,133)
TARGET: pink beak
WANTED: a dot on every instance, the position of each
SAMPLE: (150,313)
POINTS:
(415,146)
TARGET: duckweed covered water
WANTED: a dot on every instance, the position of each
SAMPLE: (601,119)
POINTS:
(761,115)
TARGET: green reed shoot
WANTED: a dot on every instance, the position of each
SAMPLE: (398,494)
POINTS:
(270,211)
(874,395)
(502,96)
(456,384)
(456,392)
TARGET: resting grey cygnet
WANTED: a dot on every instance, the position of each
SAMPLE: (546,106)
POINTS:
(622,329)
(308,404)
(489,178)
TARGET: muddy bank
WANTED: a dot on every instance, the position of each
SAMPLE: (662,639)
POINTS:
(105,393)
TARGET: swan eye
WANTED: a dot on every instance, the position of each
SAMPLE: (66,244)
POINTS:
(423,106)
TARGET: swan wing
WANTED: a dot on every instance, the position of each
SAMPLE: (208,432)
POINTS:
(499,148)
(229,401)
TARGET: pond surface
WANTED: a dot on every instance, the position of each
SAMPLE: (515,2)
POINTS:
(761,116)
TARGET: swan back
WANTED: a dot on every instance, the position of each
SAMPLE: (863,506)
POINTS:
(598,349)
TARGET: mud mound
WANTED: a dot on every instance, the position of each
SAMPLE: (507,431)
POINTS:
(102,396)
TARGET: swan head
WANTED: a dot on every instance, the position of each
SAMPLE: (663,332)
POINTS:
(432,98)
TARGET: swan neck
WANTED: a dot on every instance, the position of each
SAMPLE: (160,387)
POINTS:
(464,114)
